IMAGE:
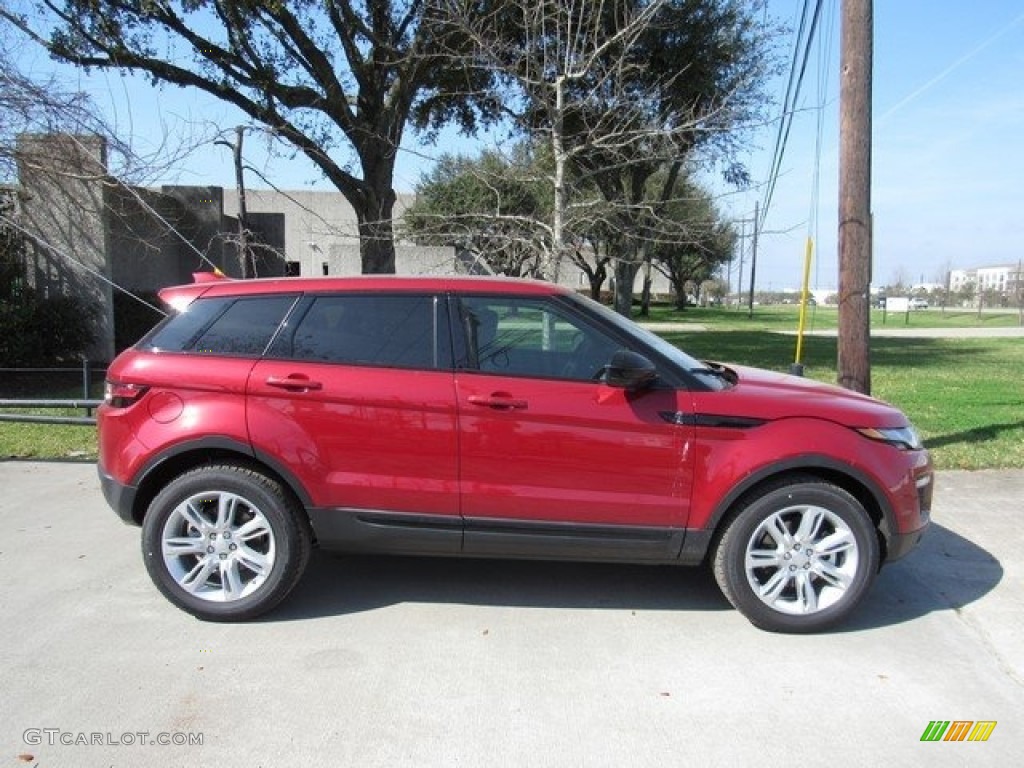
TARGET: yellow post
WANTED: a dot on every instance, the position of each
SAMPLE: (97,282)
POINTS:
(798,366)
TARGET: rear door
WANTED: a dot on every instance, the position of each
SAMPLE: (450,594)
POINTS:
(356,397)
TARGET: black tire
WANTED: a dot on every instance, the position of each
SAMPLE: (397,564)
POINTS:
(241,542)
(788,587)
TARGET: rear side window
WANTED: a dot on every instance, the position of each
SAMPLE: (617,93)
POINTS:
(226,326)
(363,329)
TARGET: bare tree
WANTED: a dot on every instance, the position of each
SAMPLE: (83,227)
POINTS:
(619,90)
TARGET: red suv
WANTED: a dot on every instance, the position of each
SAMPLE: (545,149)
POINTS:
(488,418)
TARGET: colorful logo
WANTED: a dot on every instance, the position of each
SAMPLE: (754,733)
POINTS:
(958,730)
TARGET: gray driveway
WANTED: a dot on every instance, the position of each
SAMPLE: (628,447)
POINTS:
(418,662)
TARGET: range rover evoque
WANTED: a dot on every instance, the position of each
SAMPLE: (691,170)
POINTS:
(488,417)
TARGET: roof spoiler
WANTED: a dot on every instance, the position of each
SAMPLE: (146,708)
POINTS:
(209,277)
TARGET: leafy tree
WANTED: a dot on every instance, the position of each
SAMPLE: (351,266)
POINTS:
(12,254)
(319,74)
(493,207)
(692,241)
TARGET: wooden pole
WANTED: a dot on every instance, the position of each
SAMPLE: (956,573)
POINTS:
(245,260)
(854,347)
(753,262)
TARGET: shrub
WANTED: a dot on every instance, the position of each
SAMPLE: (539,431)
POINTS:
(37,331)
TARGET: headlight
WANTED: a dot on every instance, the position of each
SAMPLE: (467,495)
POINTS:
(904,438)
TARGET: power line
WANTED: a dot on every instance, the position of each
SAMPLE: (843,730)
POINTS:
(792,95)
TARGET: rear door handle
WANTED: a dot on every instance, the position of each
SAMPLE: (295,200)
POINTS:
(498,401)
(295,382)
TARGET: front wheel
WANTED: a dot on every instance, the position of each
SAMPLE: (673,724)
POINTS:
(798,557)
(225,543)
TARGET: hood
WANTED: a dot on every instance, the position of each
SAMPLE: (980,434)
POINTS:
(770,395)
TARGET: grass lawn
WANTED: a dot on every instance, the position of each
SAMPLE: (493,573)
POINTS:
(966,396)
(784,317)
(47,441)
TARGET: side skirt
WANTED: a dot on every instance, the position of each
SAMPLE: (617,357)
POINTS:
(358,530)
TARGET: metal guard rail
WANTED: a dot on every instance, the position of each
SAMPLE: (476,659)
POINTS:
(33,418)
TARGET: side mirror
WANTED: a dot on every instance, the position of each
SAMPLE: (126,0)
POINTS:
(630,371)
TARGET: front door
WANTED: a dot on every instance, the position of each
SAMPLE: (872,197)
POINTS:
(553,461)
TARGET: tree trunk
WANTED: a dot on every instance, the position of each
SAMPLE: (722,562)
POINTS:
(597,277)
(377,245)
(376,230)
(625,274)
(551,265)
(645,296)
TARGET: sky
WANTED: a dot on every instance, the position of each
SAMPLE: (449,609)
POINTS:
(947,171)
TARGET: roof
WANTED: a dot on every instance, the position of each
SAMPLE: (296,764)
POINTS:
(210,284)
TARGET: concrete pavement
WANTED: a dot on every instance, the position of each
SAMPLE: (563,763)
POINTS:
(419,662)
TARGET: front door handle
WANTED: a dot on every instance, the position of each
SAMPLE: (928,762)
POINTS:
(295,382)
(499,401)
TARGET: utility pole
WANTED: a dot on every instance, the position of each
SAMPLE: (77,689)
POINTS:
(246,264)
(244,251)
(739,273)
(753,262)
(1020,292)
(854,347)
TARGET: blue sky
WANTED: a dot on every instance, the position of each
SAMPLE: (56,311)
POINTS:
(947,161)
(948,96)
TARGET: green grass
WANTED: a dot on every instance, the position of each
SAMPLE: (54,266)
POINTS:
(47,441)
(784,317)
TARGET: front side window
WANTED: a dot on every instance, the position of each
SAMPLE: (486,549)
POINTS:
(530,337)
(366,329)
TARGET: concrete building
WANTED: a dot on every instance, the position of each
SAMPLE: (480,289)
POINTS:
(321,235)
(92,235)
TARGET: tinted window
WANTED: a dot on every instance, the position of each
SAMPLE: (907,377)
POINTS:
(394,331)
(527,337)
(222,326)
(179,332)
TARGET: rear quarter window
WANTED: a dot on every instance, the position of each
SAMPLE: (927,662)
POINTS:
(222,326)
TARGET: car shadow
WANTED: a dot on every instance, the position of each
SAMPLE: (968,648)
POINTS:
(339,584)
(945,573)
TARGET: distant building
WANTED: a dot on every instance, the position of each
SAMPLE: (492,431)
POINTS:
(1003,279)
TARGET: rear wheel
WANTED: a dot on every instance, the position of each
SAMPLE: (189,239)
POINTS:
(225,542)
(798,557)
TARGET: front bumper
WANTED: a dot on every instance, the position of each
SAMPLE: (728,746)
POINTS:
(900,543)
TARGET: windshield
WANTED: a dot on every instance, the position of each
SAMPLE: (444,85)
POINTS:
(689,364)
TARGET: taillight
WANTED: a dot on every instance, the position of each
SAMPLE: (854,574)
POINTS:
(119,395)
